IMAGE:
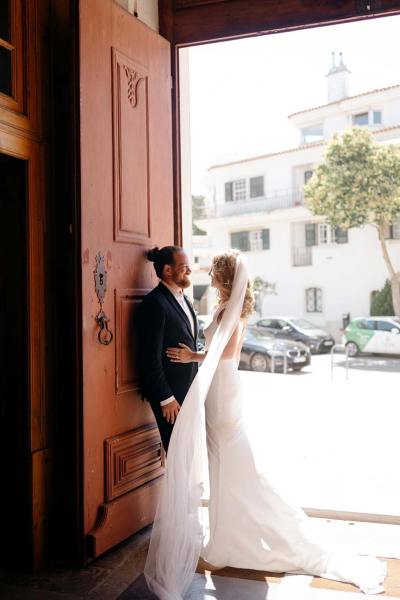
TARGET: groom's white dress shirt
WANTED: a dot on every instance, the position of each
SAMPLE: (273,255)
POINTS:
(179,297)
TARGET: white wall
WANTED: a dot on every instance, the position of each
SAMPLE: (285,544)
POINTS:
(146,10)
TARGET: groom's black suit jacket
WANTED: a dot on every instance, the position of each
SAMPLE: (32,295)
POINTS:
(162,323)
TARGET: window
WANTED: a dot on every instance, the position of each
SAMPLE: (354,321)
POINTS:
(5,20)
(265,239)
(311,234)
(239,189)
(385,326)
(256,187)
(323,233)
(5,71)
(360,119)
(366,324)
(266,323)
(341,236)
(328,234)
(373,117)
(6,48)
(377,117)
(235,190)
(392,232)
(228,191)
(307,175)
(314,300)
(240,240)
(253,241)
(313,133)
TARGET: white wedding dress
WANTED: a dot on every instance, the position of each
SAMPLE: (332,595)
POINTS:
(251,525)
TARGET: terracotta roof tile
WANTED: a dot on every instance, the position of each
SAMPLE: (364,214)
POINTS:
(300,112)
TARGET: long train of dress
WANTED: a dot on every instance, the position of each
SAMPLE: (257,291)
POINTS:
(252,525)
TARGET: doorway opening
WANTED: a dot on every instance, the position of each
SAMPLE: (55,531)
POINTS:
(15,496)
(257,115)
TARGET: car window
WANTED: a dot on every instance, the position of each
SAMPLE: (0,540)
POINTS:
(282,323)
(254,335)
(265,323)
(385,326)
(366,324)
(303,324)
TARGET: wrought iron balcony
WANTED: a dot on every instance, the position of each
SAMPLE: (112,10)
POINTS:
(278,200)
(302,257)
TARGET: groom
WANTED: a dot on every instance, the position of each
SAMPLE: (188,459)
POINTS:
(166,319)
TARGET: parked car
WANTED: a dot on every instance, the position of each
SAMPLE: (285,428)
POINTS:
(258,349)
(298,329)
(203,321)
(380,335)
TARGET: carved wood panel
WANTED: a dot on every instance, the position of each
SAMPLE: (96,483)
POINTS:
(131,160)
(126,303)
(131,460)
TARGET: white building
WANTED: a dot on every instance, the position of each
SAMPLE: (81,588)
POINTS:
(256,205)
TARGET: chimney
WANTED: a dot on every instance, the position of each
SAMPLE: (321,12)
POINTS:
(338,80)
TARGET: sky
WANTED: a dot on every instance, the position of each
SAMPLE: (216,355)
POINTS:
(242,91)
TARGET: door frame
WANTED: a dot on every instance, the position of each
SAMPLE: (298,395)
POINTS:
(188,23)
(39,432)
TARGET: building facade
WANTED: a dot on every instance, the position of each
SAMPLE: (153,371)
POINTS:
(257,206)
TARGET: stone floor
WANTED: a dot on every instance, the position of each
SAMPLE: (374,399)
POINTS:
(118,575)
(106,578)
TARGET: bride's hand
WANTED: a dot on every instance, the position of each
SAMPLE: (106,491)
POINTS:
(180,355)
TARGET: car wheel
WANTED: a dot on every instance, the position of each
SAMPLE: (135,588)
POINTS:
(259,362)
(298,368)
(352,348)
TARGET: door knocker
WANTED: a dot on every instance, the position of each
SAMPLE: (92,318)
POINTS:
(105,335)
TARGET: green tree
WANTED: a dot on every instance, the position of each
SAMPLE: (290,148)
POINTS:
(358,184)
(381,303)
(197,213)
(261,288)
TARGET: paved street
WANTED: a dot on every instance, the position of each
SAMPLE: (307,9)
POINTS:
(330,442)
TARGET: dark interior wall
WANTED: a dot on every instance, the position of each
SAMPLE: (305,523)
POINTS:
(14,407)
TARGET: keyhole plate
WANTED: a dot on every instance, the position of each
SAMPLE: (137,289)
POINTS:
(100,277)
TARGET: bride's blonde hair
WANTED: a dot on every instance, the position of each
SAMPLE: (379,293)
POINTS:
(223,267)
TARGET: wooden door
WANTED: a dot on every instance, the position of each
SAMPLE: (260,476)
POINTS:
(126,206)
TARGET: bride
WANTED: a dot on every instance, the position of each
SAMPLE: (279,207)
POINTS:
(251,525)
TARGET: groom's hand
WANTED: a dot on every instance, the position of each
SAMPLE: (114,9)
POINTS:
(170,411)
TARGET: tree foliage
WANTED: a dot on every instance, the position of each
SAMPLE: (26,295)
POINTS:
(357,184)
(381,303)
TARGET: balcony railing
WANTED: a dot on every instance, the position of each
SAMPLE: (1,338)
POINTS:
(278,200)
(302,257)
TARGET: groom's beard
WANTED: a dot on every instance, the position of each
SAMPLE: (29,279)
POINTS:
(183,281)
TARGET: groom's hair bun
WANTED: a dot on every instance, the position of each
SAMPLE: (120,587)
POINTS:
(152,254)
(162,257)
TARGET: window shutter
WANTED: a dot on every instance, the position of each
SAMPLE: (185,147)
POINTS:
(311,237)
(240,241)
(256,187)
(265,239)
(228,191)
(307,175)
(341,235)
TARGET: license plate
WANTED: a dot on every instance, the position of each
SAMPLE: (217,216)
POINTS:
(327,343)
(298,359)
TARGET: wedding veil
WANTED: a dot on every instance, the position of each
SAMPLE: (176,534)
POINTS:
(177,534)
